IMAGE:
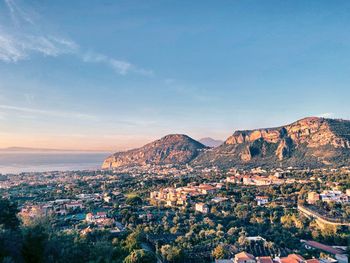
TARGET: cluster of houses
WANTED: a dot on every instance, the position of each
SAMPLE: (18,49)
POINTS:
(244,257)
(72,209)
(329,196)
(58,207)
(100,219)
(180,196)
(183,196)
(327,254)
(258,180)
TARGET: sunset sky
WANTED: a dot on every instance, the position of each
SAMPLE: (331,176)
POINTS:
(111,75)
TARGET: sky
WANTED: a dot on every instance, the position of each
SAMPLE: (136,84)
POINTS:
(113,75)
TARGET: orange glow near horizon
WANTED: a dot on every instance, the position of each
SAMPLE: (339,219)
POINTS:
(74,142)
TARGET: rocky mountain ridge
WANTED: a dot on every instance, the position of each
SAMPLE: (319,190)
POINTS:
(309,142)
(171,149)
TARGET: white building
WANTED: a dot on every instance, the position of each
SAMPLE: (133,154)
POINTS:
(261,200)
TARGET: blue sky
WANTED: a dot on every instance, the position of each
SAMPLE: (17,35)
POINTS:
(116,74)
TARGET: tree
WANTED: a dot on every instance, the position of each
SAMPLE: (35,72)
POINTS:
(171,253)
(219,252)
(8,214)
(242,240)
(132,241)
(134,200)
(34,241)
(140,256)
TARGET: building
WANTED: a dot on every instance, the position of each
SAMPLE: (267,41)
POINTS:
(261,200)
(74,205)
(313,260)
(202,208)
(232,180)
(334,196)
(207,189)
(99,217)
(264,260)
(244,257)
(313,197)
(338,253)
(292,258)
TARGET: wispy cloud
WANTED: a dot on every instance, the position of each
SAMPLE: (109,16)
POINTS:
(22,43)
(52,113)
(17,13)
(16,48)
(120,66)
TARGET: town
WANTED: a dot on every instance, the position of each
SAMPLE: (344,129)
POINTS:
(190,214)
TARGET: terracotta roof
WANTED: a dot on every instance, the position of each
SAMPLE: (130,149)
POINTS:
(244,256)
(324,247)
(292,258)
(206,187)
(313,260)
(296,256)
(266,260)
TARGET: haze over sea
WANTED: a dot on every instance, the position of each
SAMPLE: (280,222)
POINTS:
(11,162)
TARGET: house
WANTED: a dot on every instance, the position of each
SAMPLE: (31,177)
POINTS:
(202,208)
(244,257)
(74,205)
(89,217)
(206,189)
(260,181)
(261,200)
(313,260)
(334,196)
(98,218)
(292,258)
(313,197)
(338,253)
(264,260)
(232,179)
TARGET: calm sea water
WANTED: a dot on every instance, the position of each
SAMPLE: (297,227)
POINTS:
(42,162)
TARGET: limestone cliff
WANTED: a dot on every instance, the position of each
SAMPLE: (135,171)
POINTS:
(308,142)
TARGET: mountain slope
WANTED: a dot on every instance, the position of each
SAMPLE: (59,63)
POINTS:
(310,142)
(171,149)
(210,142)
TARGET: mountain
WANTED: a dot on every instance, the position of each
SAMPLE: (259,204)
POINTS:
(210,142)
(309,142)
(171,149)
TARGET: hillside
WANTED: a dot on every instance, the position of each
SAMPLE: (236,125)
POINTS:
(310,142)
(171,149)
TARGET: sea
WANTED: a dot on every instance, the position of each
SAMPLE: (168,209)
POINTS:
(15,163)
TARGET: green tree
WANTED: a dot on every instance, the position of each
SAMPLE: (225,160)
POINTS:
(171,253)
(132,242)
(8,214)
(34,241)
(140,256)
(134,200)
